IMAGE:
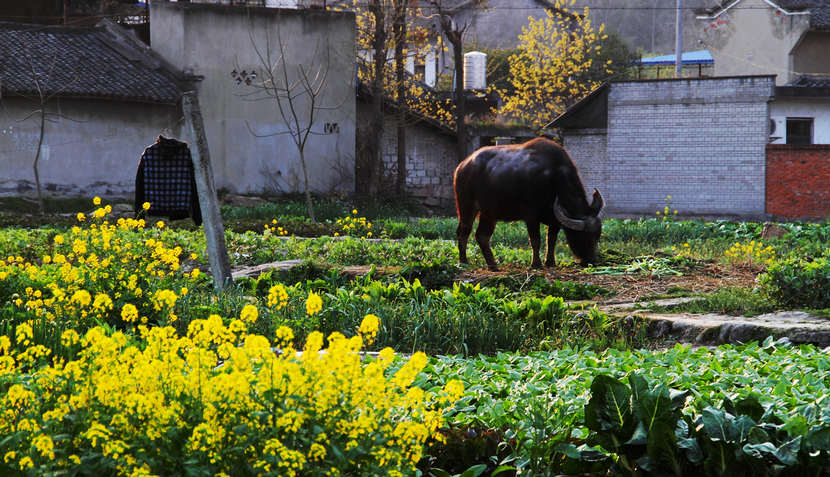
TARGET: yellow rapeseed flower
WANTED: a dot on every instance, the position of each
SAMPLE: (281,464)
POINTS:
(145,206)
(313,303)
(249,314)
(96,200)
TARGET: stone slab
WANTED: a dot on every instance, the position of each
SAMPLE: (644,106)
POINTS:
(714,329)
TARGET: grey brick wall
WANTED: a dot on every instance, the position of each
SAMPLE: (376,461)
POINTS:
(702,141)
(430,161)
(587,148)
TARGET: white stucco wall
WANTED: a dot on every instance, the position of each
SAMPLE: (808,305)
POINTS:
(249,148)
(816,108)
(89,147)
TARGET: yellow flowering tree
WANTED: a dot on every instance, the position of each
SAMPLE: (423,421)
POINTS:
(548,73)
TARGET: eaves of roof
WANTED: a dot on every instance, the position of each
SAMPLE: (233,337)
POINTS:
(364,92)
(576,110)
(818,10)
(100,62)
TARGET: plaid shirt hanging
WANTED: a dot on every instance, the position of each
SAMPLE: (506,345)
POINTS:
(165,179)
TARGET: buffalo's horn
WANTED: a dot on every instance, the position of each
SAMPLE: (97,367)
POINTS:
(568,222)
(597,203)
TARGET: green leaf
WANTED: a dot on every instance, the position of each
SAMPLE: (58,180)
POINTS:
(609,408)
(818,439)
(787,453)
(750,406)
(714,423)
(474,471)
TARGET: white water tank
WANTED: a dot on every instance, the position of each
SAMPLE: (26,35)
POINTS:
(475,70)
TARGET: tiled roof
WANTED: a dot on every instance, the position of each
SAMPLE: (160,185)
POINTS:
(819,11)
(811,82)
(96,62)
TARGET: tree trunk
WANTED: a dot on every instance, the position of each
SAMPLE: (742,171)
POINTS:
(308,202)
(40,204)
(375,166)
(460,98)
(400,39)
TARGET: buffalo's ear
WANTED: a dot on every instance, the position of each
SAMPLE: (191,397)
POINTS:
(596,203)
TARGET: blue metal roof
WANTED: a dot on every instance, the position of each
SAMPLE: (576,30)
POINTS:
(700,57)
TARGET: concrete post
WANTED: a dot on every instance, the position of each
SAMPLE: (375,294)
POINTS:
(678,41)
(220,265)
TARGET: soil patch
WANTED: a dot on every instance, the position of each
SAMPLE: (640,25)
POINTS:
(634,287)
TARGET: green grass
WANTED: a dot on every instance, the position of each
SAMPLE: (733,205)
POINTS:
(726,301)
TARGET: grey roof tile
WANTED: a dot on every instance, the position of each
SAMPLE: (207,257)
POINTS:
(81,62)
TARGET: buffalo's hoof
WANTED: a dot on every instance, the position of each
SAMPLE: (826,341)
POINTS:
(536,265)
(493,268)
(550,263)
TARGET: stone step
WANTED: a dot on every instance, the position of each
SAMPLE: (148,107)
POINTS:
(713,329)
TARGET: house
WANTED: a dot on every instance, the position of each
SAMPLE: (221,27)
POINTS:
(228,46)
(430,151)
(786,38)
(106,99)
(110,96)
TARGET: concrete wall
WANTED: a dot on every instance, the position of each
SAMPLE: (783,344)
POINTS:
(797,182)
(250,149)
(816,108)
(810,54)
(89,147)
(752,38)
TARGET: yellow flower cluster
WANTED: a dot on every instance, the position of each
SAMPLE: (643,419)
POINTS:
(98,273)
(354,226)
(125,404)
(274,229)
(277,297)
(313,304)
(750,254)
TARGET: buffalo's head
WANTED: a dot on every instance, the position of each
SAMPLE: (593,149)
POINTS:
(582,232)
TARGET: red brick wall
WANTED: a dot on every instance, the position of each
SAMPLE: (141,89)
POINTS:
(798,181)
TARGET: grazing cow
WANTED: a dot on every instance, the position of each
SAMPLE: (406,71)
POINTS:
(536,182)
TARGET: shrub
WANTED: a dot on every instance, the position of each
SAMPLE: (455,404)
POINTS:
(799,282)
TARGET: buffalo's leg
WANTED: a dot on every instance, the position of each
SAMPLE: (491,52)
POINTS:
(483,233)
(535,242)
(550,254)
(466,217)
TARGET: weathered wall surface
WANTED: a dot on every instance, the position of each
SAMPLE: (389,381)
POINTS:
(797,181)
(752,38)
(89,147)
(699,140)
(250,149)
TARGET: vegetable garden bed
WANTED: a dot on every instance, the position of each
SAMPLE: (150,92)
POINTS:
(117,357)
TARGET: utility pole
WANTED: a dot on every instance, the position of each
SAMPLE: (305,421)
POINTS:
(678,41)
(220,265)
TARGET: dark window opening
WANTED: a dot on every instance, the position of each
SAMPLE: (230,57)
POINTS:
(799,131)
(420,72)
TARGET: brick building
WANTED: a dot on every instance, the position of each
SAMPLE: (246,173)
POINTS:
(702,141)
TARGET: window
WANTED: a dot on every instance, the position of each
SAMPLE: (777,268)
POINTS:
(420,72)
(799,131)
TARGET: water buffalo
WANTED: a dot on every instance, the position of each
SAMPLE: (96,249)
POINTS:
(536,182)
